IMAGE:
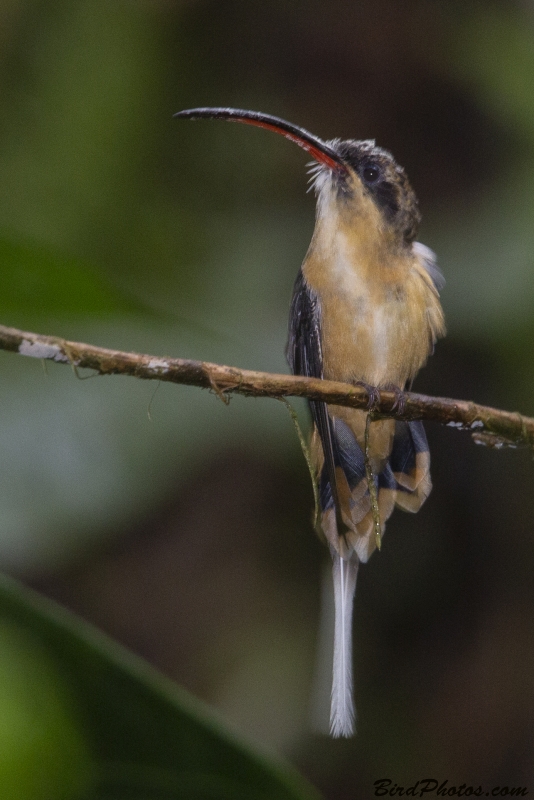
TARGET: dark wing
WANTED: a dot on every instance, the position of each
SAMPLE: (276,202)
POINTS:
(304,355)
(304,344)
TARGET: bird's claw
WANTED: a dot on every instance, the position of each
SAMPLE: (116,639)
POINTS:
(399,404)
(373,395)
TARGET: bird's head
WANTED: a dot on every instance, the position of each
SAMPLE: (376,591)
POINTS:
(353,177)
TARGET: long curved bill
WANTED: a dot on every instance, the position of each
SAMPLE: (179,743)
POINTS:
(319,150)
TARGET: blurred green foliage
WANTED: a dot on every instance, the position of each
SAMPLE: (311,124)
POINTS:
(43,752)
(122,732)
(41,286)
(492,54)
(124,227)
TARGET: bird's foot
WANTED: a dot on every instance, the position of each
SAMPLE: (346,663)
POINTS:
(399,404)
(373,395)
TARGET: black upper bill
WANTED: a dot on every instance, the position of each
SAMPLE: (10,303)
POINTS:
(319,150)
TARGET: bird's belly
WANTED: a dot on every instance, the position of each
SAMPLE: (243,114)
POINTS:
(379,340)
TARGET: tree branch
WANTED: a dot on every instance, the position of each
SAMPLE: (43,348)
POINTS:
(489,426)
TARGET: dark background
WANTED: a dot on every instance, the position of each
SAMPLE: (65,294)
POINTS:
(181,526)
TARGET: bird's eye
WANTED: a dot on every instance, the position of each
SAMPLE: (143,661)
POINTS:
(371,173)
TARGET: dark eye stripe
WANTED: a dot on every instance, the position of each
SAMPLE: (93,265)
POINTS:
(386,197)
(389,189)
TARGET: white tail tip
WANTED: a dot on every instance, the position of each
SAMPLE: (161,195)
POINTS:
(342,712)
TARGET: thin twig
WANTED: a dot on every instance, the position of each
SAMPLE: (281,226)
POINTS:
(149,406)
(504,428)
(307,457)
(375,512)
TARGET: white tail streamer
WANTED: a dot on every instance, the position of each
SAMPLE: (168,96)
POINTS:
(342,713)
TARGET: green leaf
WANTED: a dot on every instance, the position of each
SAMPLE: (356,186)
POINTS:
(125,731)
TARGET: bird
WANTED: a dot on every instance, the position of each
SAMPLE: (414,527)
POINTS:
(365,310)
